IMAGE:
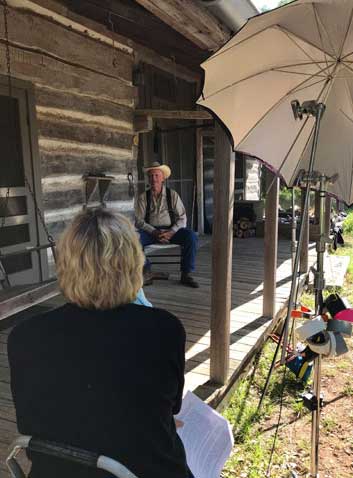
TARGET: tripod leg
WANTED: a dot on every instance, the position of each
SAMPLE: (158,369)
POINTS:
(315,421)
(269,375)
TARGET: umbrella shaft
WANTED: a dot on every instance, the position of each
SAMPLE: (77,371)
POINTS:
(293,292)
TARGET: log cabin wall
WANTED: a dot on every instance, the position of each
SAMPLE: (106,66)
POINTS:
(84,101)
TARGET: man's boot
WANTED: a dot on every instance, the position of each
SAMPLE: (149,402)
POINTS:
(188,280)
(147,276)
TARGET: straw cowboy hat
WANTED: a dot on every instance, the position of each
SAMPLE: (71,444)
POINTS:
(162,167)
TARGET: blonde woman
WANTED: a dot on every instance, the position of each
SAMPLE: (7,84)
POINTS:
(101,373)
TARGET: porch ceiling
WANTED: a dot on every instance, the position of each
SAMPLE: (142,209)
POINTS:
(186,34)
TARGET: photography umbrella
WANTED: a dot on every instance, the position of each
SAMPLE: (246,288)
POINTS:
(283,65)
(302,51)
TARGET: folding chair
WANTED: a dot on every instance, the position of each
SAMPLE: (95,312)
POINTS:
(73,454)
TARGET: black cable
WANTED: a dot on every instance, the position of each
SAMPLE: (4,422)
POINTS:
(268,472)
(282,394)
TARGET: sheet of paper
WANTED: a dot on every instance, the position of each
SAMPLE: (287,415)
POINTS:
(206,435)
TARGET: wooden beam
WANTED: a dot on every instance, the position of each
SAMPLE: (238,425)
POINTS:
(175,114)
(191,20)
(304,253)
(199,182)
(222,243)
(143,123)
(19,298)
(59,15)
(271,245)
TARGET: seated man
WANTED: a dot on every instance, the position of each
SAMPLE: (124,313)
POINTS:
(161,218)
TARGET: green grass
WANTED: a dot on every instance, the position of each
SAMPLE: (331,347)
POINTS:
(348,389)
(253,443)
(253,433)
(329,424)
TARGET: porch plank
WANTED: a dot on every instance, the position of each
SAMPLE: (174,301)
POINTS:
(247,325)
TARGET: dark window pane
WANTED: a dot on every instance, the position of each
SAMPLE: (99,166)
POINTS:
(11,235)
(14,206)
(11,159)
(18,263)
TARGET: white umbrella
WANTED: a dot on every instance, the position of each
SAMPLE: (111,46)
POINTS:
(302,51)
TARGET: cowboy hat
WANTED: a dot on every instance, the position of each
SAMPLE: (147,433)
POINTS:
(162,167)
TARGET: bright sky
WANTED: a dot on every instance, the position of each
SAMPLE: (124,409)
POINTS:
(261,3)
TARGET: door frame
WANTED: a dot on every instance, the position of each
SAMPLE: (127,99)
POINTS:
(35,165)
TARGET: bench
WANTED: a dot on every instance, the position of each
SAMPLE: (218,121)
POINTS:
(156,251)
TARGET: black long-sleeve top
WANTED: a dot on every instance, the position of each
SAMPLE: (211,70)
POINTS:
(106,381)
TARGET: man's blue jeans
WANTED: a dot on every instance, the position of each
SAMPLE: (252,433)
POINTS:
(186,238)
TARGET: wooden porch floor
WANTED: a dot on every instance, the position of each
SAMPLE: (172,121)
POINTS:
(248,326)
(192,306)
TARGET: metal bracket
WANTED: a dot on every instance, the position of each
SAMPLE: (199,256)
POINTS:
(94,181)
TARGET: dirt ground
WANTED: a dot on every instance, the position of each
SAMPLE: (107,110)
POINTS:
(336,425)
(254,435)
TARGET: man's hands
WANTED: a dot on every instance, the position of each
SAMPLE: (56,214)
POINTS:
(163,236)
(178,423)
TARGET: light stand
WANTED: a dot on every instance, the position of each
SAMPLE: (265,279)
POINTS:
(294,230)
(319,285)
(315,109)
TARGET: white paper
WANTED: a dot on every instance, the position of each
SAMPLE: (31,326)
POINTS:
(206,435)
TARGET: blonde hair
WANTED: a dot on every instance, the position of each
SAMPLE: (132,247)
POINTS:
(100,260)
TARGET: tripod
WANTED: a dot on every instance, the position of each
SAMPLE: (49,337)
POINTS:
(309,178)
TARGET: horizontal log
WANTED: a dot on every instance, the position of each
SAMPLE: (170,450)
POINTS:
(57,227)
(58,199)
(89,150)
(86,110)
(78,117)
(191,20)
(65,182)
(175,114)
(65,163)
(69,131)
(57,12)
(62,215)
(149,56)
(45,36)
(49,72)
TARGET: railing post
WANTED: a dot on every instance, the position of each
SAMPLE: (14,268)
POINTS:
(271,245)
(222,251)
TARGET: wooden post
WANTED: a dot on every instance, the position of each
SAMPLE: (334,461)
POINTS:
(328,203)
(304,253)
(199,182)
(271,245)
(222,244)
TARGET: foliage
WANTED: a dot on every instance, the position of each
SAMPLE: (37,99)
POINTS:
(348,224)
(265,8)
(284,2)
(285,198)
